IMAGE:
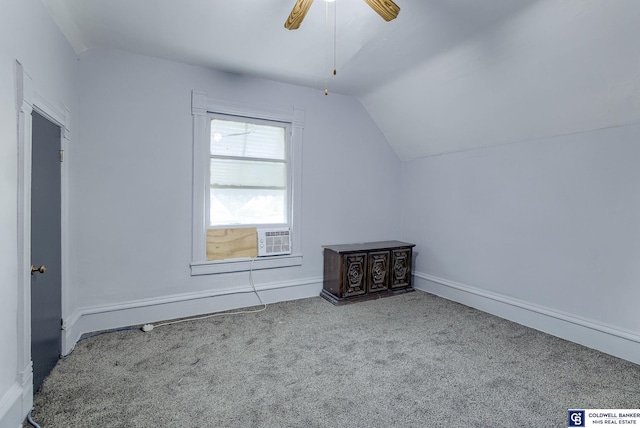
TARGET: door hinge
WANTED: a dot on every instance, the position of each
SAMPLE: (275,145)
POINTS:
(61,152)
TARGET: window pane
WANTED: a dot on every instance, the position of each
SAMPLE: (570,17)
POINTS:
(248,206)
(229,138)
(241,173)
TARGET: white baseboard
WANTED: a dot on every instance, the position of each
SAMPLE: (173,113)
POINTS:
(26,377)
(11,407)
(605,338)
(16,403)
(152,310)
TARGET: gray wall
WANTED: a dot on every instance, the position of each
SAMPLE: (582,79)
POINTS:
(552,223)
(27,34)
(540,225)
(130,177)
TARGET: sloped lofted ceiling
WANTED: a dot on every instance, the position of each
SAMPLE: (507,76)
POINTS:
(446,75)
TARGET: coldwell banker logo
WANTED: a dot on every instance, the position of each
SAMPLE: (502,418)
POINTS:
(576,418)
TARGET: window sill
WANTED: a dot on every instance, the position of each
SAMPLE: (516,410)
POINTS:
(244,264)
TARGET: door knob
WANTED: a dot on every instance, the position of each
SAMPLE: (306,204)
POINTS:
(41,269)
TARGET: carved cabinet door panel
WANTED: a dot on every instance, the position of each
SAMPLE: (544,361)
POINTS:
(355,280)
(378,271)
(401,268)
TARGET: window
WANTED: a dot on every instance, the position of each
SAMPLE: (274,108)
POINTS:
(249,178)
(246,174)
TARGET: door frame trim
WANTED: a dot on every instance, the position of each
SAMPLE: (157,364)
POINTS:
(29,97)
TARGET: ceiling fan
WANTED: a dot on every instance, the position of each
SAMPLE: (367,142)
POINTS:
(387,9)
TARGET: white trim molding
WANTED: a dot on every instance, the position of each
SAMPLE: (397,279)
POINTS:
(143,311)
(244,264)
(201,107)
(30,98)
(11,407)
(602,337)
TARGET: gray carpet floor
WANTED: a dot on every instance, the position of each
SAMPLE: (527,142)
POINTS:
(413,360)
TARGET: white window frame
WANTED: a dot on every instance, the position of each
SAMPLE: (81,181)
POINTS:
(258,121)
(201,108)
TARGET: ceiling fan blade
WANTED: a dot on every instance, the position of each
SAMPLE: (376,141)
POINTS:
(387,9)
(297,14)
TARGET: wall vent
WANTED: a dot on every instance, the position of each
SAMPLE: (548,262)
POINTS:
(274,242)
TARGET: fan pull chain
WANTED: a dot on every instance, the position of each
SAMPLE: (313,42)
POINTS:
(335,35)
(326,44)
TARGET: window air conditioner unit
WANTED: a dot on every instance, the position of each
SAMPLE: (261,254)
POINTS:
(274,242)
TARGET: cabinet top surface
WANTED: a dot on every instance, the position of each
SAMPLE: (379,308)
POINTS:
(367,246)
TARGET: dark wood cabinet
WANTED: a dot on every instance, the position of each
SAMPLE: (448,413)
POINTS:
(356,272)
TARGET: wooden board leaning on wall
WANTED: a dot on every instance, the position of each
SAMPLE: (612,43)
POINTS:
(231,243)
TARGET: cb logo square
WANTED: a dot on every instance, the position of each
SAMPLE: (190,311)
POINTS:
(576,418)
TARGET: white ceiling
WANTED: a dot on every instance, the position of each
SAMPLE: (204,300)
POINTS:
(248,36)
(436,79)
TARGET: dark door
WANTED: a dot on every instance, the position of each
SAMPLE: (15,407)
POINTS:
(46,280)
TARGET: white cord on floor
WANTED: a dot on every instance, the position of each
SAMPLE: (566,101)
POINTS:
(149,327)
(31,421)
